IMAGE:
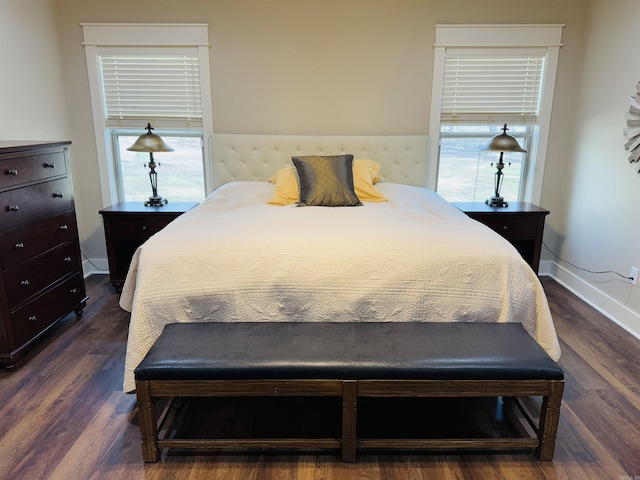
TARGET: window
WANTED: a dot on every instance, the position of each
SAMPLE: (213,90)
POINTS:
(467,173)
(156,74)
(479,85)
(180,174)
(163,88)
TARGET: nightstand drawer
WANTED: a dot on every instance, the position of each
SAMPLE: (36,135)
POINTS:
(137,228)
(521,223)
(513,227)
(127,225)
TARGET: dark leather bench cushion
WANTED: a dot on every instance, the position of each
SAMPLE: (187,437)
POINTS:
(249,351)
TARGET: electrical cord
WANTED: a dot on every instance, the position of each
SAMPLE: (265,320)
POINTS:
(89,260)
(584,269)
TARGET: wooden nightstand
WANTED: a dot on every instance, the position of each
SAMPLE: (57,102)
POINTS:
(128,225)
(521,223)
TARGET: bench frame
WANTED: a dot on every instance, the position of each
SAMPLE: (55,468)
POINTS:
(543,441)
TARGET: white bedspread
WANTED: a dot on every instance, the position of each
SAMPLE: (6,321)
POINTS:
(413,258)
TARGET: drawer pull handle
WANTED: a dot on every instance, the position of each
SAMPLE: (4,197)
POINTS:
(19,245)
(33,318)
(64,227)
(12,172)
(67,259)
(12,208)
(58,195)
(49,165)
(144,228)
(25,283)
(505,227)
(73,290)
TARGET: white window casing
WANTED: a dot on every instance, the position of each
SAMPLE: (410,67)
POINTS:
(124,101)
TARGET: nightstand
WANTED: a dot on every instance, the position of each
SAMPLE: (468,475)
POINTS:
(128,225)
(521,223)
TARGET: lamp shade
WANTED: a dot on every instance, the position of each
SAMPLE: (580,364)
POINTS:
(150,142)
(504,143)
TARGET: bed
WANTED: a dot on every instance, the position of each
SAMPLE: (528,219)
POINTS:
(413,257)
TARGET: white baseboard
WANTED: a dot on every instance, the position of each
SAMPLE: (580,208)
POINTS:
(609,307)
(95,266)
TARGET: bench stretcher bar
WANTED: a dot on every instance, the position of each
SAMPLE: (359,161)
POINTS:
(149,391)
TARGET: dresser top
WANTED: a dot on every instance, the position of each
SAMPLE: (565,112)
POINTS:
(7,146)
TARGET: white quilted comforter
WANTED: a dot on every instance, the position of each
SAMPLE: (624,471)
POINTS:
(234,258)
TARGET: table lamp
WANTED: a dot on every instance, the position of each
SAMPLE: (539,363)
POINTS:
(150,142)
(501,143)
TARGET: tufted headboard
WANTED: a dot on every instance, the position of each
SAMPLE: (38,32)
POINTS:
(404,158)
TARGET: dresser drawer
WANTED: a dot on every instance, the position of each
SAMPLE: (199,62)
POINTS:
(20,170)
(33,318)
(22,205)
(22,243)
(137,229)
(516,227)
(29,278)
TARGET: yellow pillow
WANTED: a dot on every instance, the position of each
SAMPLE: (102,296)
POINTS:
(365,175)
(286,181)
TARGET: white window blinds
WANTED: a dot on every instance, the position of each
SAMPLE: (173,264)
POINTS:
(483,86)
(152,88)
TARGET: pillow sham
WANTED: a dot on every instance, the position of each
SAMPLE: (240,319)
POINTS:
(326,181)
(365,175)
(286,182)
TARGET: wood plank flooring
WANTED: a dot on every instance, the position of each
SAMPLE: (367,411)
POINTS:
(63,414)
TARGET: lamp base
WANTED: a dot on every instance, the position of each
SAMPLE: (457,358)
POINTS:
(496,202)
(155,202)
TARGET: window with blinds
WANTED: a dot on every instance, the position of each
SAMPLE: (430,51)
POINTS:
(481,90)
(144,73)
(138,88)
(488,86)
(163,89)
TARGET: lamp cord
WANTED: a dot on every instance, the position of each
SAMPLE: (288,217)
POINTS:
(89,260)
(583,269)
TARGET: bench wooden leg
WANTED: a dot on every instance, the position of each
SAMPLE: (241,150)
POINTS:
(349,419)
(549,418)
(148,423)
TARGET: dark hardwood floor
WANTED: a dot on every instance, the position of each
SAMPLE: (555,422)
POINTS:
(63,414)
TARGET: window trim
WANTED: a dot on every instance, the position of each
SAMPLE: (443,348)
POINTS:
(100,36)
(499,36)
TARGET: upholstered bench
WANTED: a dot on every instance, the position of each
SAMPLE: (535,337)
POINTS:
(349,360)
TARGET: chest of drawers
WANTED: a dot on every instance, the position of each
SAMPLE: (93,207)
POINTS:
(41,270)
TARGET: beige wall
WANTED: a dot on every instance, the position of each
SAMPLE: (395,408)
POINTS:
(313,66)
(600,227)
(32,99)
